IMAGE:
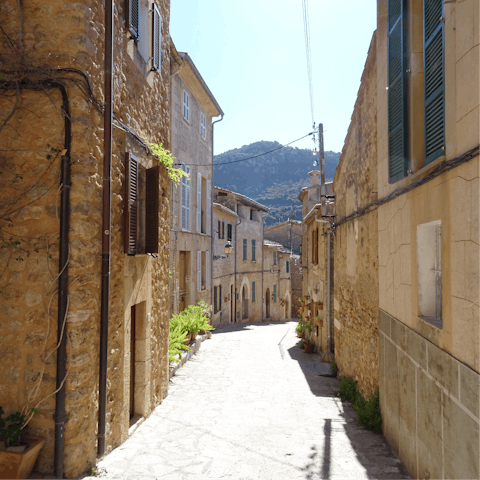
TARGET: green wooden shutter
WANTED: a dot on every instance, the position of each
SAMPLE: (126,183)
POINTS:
(397,111)
(215,300)
(151,209)
(274,294)
(434,60)
(219,233)
(244,248)
(253,251)
(219,298)
(253,292)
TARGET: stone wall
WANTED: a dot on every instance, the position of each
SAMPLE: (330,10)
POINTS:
(288,233)
(356,242)
(430,404)
(141,101)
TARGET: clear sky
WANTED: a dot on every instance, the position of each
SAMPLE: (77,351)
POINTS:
(252,56)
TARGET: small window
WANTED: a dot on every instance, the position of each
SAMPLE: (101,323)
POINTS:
(244,249)
(253,292)
(253,251)
(251,214)
(429,262)
(287,266)
(186,106)
(274,294)
(203,125)
(274,258)
(229,232)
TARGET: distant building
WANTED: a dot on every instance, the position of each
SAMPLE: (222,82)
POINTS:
(192,109)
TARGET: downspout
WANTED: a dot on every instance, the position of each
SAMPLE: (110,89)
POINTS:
(65,182)
(106,227)
(263,262)
(235,266)
(328,299)
(211,222)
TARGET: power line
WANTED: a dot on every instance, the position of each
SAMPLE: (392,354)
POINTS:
(254,156)
(306,28)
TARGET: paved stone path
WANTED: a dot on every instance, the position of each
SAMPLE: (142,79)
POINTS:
(251,405)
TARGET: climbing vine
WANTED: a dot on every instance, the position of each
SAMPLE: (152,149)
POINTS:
(165,158)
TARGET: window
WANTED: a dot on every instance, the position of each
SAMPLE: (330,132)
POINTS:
(274,258)
(434,84)
(186,106)
(219,298)
(141,207)
(185,183)
(253,292)
(203,125)
(429,262)
(219,231)
(253,251)
(251,214)
(315,246)
(274,294)
(287,266)
(203,205)
(244,248)
(156,39)
(215,300)
(229,232)
(203,270)
(223,230)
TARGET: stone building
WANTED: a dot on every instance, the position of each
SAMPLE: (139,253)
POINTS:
(247,286)
(317,277)
(192,108)
(428,241)
(289,235)
(66,275)
(356,241)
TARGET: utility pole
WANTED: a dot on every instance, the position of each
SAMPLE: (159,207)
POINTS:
(322,167)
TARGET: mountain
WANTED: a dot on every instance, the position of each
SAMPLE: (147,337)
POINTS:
(273,180)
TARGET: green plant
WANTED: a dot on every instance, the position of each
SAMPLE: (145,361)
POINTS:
(299,327)
(334,367)
(368,411)
(166,159)
(300,299)
(176,341)
(12,427)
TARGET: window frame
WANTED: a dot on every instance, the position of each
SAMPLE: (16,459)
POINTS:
(203,125)
(274,258)
(254,253)
(186,105)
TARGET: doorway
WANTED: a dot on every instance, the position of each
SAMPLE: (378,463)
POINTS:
(267,303)
(132,360)
(244,304)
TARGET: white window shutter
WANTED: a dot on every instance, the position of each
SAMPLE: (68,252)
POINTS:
(209,211)
(187,205)
(199,271)
(184,199)
(199,202)
(207,276)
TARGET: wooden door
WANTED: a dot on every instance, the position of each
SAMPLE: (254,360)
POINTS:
(267,303)
(132,362)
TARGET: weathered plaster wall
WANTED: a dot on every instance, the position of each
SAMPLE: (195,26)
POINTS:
(356,242)
(141,102)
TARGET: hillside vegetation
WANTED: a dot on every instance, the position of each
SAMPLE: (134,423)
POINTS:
(274,179)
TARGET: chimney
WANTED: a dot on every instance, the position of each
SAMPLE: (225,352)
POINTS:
(314,174)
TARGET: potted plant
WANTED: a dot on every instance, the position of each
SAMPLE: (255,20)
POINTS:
(320,305)
(19,452)
(308,346)
(300,329)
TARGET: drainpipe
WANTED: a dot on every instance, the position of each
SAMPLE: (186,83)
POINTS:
(106,227)
(65,182)
(211,222)
(235,266)
(263,262)
(328,298)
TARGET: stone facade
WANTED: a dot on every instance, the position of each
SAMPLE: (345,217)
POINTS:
(192,109)
(34,140)
(356,242)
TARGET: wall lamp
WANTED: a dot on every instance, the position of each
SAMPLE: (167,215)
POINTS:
(228,248)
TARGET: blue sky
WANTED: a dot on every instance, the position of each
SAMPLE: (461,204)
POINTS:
(252,56)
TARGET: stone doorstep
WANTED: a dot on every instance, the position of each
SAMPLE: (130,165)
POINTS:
(186,355)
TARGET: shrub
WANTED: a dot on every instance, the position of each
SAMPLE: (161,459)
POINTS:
(368,411)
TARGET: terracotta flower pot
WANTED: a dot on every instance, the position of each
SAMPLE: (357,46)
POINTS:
(188,340)
(300,334)
(194,335)
(20,465)
(308,347)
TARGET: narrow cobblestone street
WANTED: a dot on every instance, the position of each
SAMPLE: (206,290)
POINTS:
(251,405)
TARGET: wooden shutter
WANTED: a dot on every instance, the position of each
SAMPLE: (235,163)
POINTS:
(223,230)
(207,274)
(229,231)
(199,271)
(156,39)
(219,298)
(219,232)
(287,266)
(253,251)
(151,209)
(187,205)
(215,300)
(397,105)
(434,60)
(275,293)
(199,203)
(253,292)
(209,209)
(184,200)
(131,204)
(244,248)
(133,17)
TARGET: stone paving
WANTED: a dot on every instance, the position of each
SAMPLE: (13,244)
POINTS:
(252,405)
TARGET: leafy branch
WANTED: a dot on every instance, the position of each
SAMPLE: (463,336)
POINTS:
(166,159)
